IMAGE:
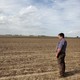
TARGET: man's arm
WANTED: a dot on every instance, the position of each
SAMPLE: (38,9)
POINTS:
(57,53)
(59,48)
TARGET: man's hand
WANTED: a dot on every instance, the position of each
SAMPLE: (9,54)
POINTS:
(56,55)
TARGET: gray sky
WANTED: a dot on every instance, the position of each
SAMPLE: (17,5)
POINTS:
(40,17)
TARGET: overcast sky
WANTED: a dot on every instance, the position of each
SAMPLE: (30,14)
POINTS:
(40,17)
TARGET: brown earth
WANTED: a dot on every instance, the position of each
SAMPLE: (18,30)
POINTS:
(34,59)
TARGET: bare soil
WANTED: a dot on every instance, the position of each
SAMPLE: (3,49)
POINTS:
(34,59)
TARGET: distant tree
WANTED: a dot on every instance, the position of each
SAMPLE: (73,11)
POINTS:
(77,36)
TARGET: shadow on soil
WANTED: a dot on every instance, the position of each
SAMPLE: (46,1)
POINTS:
(71,73)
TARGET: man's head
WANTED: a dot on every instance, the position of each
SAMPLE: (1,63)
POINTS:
(61,36)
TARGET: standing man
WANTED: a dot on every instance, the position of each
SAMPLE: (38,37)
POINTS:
(60,54)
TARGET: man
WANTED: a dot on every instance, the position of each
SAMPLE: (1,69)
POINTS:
(60,54)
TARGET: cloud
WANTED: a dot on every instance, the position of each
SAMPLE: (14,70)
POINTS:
(73,33)
(26,22)
(45,17)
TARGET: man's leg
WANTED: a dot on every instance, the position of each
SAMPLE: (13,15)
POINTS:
(61,64)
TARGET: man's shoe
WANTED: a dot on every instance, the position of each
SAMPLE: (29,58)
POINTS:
(62,76)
